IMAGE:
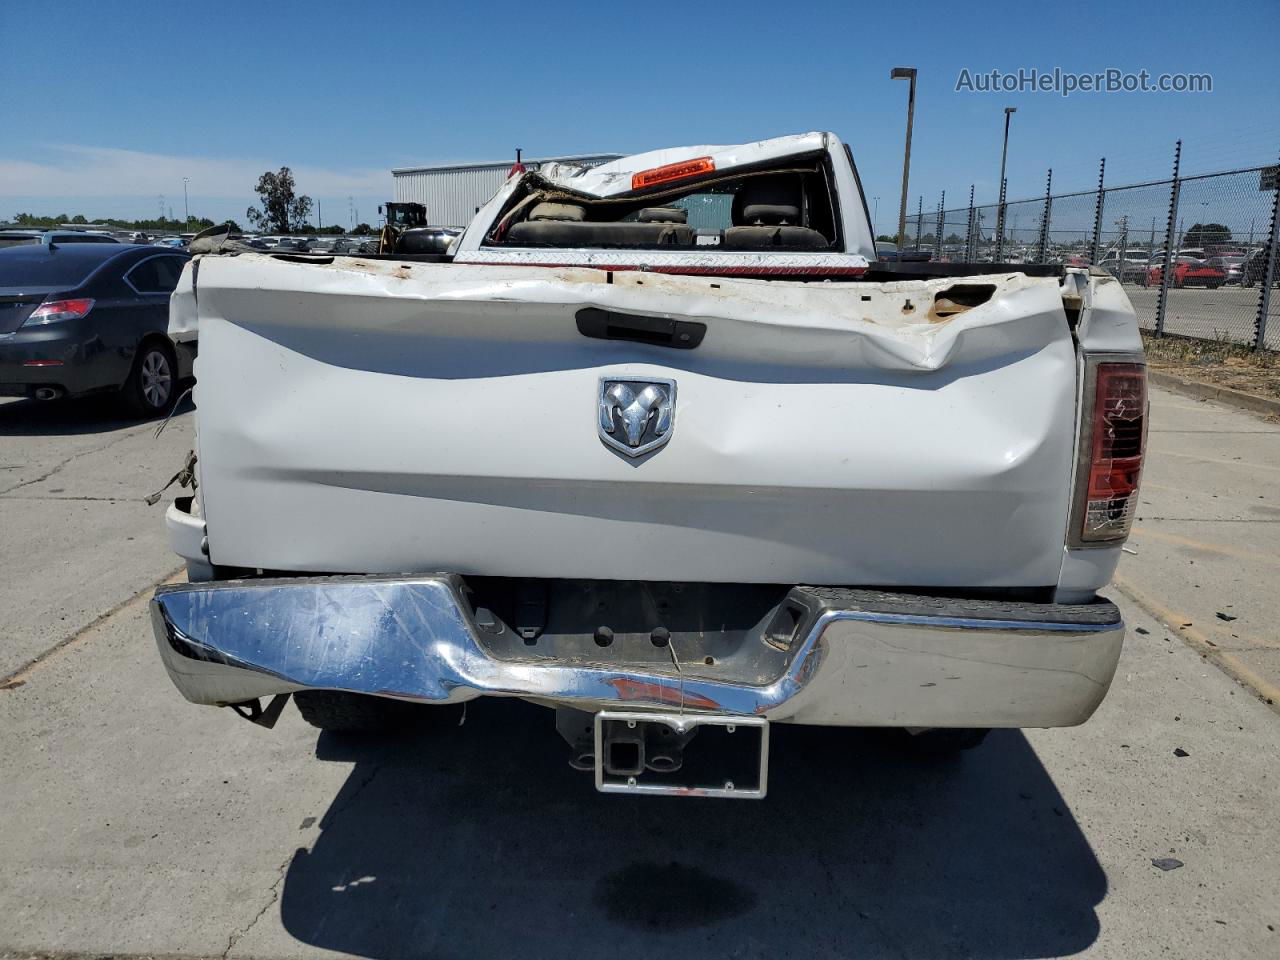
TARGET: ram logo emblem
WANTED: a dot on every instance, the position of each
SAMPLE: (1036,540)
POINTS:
(636,415)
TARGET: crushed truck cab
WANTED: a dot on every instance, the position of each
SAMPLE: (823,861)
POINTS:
(660,446)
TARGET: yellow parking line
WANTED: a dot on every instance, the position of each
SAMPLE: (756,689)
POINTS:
(1203,545)
(1228,661)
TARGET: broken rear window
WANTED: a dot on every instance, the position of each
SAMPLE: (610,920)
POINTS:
(785,210)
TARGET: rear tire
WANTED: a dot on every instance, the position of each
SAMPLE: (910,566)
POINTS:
(948,741)
(340,712)
(149,390)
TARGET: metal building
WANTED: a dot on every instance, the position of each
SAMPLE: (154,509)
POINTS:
(453,193)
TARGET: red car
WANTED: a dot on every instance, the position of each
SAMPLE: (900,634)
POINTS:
(1188,273)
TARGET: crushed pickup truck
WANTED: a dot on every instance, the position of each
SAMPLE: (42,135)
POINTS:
(660,446)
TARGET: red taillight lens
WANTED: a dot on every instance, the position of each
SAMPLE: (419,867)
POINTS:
(1117,439)
(56,310)
(671,172)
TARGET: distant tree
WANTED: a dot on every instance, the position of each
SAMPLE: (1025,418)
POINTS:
(885,238)
(283,211)
(78,218)
(954,238)
(362,230)
(333,229)
(1204,234)
(235,227)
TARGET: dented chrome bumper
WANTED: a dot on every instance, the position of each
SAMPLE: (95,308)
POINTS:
(846,657)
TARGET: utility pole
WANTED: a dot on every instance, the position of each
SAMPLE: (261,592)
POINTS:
(186,208)
(1004,154)
(905,73)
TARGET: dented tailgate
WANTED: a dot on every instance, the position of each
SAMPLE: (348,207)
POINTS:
(360,416)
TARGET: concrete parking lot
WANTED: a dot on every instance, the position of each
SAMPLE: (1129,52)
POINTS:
(135,824)
(1228,313)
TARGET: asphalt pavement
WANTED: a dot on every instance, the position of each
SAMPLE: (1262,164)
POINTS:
(137,824)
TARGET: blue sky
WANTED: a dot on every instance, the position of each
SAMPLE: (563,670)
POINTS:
(105,106)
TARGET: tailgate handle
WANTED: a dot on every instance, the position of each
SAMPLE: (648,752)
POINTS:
(658,331)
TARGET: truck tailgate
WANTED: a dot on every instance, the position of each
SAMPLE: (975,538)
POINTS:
(369,416)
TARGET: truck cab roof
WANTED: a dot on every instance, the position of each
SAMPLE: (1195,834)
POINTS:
(788,204)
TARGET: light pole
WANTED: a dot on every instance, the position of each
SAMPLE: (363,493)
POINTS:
(875,217)
(905,73)
(1004,154)
(186,211)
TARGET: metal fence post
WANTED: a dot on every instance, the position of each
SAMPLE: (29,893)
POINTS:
(1000,212)
(1167,268)
(937,234)
(968,237)
(919,219)
(1097,213)
(1043,253)
(1268,275)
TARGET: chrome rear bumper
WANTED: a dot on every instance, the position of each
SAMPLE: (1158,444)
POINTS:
(846,657)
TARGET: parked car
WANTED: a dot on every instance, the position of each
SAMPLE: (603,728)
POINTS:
(14,238)
(1254,268)
(89,317)
(887,251)
(677,483)
(1231,266)
(1187,272)
(1133,268)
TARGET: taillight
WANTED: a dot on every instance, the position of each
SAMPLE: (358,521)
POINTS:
(56,310)
(1112,450)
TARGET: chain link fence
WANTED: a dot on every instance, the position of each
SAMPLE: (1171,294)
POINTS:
(1214,234)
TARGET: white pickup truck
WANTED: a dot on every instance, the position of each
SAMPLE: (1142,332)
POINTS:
(660,446)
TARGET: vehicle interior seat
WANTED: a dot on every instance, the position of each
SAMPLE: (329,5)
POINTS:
(565,225)
(558,211)
(663,215)
(766,214)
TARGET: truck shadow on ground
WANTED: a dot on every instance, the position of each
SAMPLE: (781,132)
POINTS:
(78,416)
(480,841)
